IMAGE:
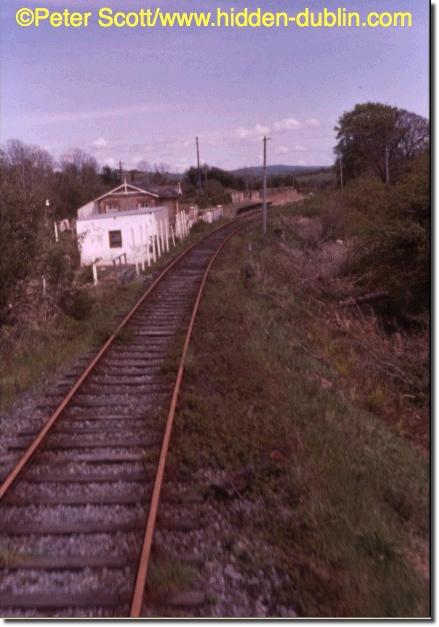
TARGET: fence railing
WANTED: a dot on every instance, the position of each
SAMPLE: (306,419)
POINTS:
(122,258)
(153,239)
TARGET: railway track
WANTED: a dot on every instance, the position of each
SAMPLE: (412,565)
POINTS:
(80,504)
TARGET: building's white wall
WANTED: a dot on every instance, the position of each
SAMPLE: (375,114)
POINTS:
(87,210)
(94,241)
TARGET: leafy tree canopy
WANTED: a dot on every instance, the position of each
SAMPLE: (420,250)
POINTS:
(370,131)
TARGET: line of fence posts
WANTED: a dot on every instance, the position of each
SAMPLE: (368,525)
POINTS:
(211,215)
(155,237)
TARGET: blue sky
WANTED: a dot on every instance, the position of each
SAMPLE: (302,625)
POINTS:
(134,94)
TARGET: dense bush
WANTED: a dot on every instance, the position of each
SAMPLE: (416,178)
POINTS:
(391,229)
(34,191)
(387,228)
(375,134)
(77,304)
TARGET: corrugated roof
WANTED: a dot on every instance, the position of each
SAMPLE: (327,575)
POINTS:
(162,192)
(120,214)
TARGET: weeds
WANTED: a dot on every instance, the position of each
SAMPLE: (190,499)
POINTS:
(278,382)
(41,341)
(33,352)
(170,576)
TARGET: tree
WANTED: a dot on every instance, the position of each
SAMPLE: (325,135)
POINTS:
(110,176)
(78,181)
(227,179)
(27,242)
(372,132)
(160,176)
(392,233)
(26,181)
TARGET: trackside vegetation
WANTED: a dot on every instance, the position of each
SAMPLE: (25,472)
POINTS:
(305,395)
(71,318)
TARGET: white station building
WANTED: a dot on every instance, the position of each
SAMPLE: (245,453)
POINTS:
(103,239)
(122,226)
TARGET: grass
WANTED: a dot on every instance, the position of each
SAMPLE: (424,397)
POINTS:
(33,350)
(345,495)
(32,353)
(166,576)
(327,177)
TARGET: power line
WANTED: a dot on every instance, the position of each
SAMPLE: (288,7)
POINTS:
(386,158)
(341,170)
(264,188)
(198,162)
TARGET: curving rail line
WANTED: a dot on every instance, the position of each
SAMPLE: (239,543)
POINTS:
(103,413)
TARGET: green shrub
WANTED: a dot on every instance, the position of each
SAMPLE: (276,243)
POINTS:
(85,275)
(391,227)
(77,304)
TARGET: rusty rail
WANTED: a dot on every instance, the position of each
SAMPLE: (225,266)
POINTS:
(148,534)
(142,571)
(39,439)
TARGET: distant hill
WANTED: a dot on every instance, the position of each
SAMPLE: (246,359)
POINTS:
(276,170)
(257,171)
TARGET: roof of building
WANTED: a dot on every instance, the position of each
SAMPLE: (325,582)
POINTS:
(162,192)
(129,188)
(122,214)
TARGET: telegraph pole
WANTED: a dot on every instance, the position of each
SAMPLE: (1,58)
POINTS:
(198,162)
(341,170)
(264,189)
(205,179)
(386,158)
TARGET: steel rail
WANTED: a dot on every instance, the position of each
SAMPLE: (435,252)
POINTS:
(40,437)
(142,570)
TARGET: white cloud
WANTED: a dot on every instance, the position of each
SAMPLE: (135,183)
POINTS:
(299,148)
(255,132)
(312,123)
(109,161)
(213,142)
(183,165)
(100,142)
(287,124)
(282,150)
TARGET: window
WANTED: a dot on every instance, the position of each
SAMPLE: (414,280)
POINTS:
(145,204)
(115,239)
(112,206)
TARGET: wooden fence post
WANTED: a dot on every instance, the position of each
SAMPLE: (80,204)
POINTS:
(142,247)
(148,252)
(95,274)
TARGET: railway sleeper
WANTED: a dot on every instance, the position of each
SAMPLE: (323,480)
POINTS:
(67,562)
(103,458)
(58,430)
(127,390)
(78,443)
(65,477)
(68,528)
(59,600)
(122,376)
(149,401)
(80,499)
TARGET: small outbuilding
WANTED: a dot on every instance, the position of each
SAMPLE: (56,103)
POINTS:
(128,237)
(128,197)
(122,226)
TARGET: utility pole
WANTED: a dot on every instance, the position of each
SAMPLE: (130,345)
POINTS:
(198,162)
(341,170)
(264,189)
(205,178)
(386,158)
